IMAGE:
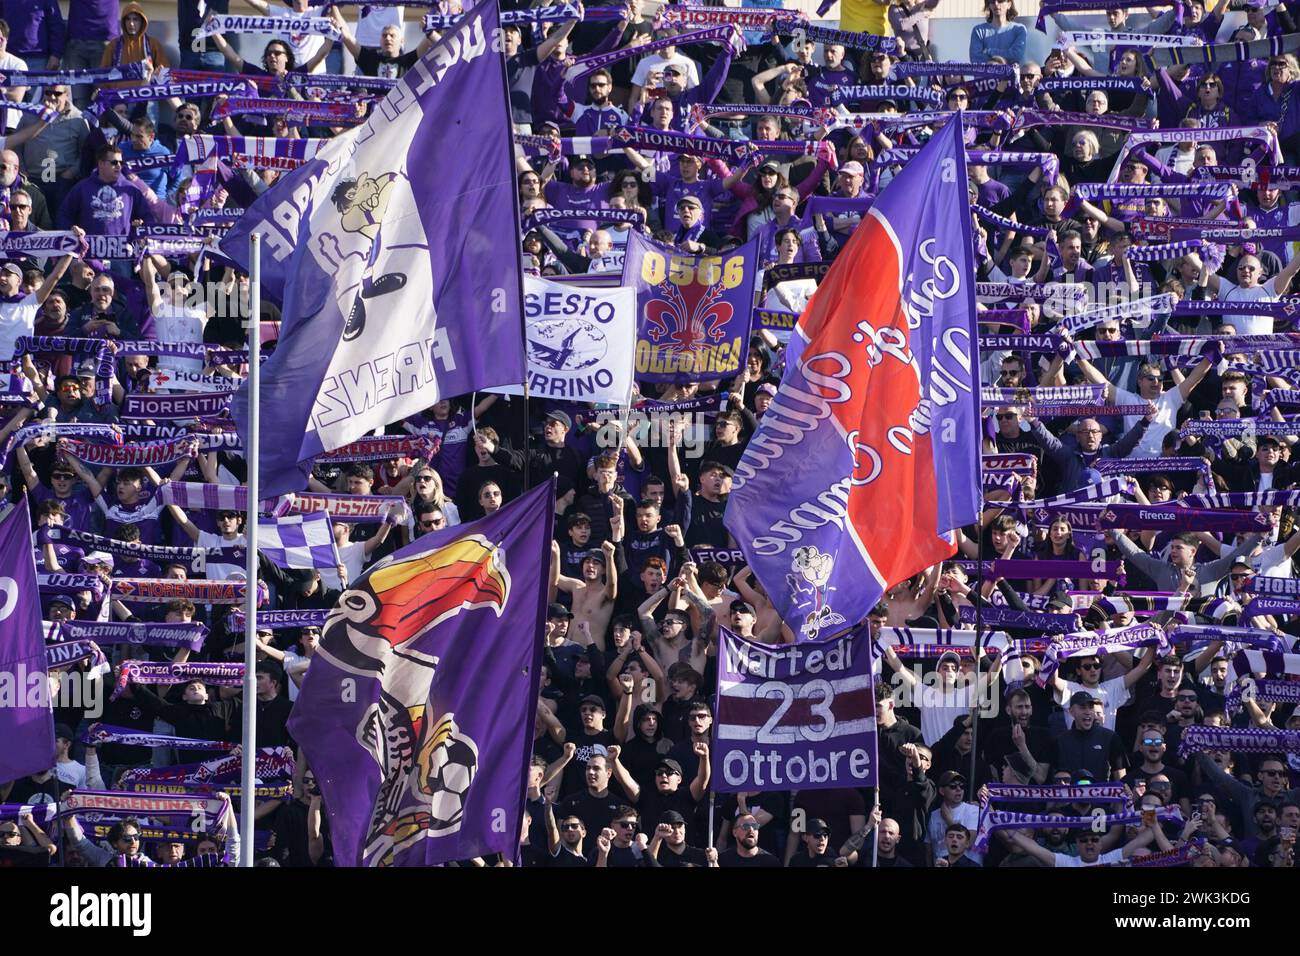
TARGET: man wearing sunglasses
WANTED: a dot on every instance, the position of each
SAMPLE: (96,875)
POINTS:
(63,138)
(1113,693)
(620,844)
(105,203)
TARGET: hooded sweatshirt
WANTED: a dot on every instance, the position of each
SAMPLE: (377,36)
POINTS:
(134,49)
(641,756)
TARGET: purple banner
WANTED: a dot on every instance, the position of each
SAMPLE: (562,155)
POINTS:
(418,765)
(794,718)
(693,312)
(26,720)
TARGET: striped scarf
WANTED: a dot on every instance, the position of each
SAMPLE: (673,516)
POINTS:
(1145,307)
(143,672)
(856,41)
(884,91)
(1246,740)
(208,497)
(253,152)
(1163,252)
(1221,52)
(1008,224)
(100,733)
(1267,691)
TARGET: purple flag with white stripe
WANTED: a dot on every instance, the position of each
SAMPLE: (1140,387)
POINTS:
(801,718)
(298,541)
(26,721)
(394,253)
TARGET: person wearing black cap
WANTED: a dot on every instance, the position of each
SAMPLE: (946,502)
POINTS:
(691,235)
(593,595)
(552,456)
(952,809)
(816,845)
(559,647)
(1088,747)
(592,739)
(707,505)
(582,191)
(668,792)
(669,847)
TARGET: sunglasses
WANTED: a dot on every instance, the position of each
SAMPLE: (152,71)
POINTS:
(8,833)
(129,838)
(1152,741)
(1186,698)
(62,477)
(626,824)
(570,826)
(1007,417)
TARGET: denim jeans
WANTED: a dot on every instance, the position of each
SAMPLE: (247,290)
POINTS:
(83,55)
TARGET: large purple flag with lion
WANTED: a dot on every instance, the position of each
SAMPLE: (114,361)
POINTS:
(416,715)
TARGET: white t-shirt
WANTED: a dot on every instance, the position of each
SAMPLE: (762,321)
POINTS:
(304,45)
(1114,856)
(1249,324)
(655,61)
(1167,406)
(353,557)
(71,772)
(16,320)
(180,323)
(1112,693)
(219,571)
(370,27)
(940,707)
(1272,562)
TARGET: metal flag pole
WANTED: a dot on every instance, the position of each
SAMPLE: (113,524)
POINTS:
(248,757)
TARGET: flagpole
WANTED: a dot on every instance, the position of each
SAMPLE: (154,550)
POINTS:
(248,756)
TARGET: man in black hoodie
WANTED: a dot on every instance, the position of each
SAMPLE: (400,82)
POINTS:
(644,743)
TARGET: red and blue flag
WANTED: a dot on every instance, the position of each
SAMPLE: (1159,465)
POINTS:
(868,458)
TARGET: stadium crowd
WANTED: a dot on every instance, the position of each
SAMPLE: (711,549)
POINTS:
(643,572)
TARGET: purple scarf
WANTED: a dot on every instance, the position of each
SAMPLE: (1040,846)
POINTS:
(1010,617)
(1246,740)
(166,590)
(644,137)
(105,633)
(1179,518)
(383,448)
(280,620)
(857,41)
(100,733)
(141,672)
(1268,690)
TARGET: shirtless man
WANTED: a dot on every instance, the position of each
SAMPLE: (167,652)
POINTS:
(768,628)
(670,641)
(593,598)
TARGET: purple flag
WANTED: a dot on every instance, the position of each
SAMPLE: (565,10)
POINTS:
(693,312)
(394,253)
(868,459)
(794,717)
(26,721)
(417,713)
